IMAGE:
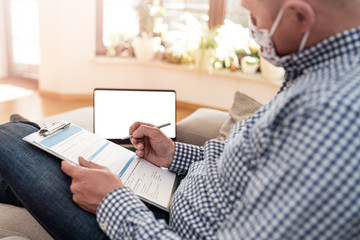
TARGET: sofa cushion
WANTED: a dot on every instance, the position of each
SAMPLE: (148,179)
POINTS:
(242,107)
(15,238)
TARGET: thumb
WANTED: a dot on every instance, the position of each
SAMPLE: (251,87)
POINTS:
(88,164)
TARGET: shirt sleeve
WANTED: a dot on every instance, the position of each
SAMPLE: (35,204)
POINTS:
(185,155)
(122,215)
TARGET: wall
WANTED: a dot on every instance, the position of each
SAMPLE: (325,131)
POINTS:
(67,43)
(68,64)
(3,53)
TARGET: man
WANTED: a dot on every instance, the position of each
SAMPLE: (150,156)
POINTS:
(291,171)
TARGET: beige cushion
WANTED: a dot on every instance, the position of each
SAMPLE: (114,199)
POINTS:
(205,123)
(15,238)
(242,107)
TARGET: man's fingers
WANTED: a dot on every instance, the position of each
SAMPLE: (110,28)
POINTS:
(88,164)
(136,125)
(144,131)
(140,153)
(138,144)
(70,169)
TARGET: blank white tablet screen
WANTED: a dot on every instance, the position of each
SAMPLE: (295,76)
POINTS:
(115,110)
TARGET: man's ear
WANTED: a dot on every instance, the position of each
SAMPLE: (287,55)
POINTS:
(302,14)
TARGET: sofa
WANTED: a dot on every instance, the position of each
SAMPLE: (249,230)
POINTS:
(16,223)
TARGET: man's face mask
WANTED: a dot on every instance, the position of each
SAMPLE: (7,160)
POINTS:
(267,48)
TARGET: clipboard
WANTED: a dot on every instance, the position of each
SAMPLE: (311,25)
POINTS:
(68,141)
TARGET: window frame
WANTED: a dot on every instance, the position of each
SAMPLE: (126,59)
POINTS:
(100,47)
(217,13)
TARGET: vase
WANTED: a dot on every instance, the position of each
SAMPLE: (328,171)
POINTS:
(249,68)
(145,48)
(271,72)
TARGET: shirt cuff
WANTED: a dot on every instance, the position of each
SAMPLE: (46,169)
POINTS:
(120,211)
(185,155)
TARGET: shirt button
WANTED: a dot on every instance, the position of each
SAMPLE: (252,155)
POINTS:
(103,226)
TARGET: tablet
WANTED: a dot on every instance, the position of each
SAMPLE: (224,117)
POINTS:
(115,110)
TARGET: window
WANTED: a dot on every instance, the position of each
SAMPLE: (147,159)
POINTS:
(117,12)
(22,37)
(112,13)
(236,13)
(176,8)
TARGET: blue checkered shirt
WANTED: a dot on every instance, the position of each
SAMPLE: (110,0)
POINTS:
(291,171)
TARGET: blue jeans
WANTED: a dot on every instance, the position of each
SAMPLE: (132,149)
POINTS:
(37,182)
(32,178)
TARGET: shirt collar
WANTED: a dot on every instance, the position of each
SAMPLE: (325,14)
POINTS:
(321,54)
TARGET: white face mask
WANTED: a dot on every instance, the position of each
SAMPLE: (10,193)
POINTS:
(267,48)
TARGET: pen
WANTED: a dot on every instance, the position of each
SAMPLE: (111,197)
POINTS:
(159,126)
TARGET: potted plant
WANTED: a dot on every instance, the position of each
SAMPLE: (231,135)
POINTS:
(205,53)
(249,64)
(149,13)
(120,45)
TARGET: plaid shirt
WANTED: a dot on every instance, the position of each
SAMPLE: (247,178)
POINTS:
(291,171)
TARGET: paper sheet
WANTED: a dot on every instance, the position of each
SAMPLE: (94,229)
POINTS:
(149,182)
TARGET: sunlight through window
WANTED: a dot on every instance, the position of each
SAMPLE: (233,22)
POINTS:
(11,92)
(25,31)
(119,17)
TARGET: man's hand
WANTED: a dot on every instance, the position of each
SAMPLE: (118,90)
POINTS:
(90,183)
(152,144)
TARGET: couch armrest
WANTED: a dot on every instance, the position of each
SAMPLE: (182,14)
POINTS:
(202,125)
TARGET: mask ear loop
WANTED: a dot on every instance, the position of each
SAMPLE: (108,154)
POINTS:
(304,40)
(277,21)
(276,24)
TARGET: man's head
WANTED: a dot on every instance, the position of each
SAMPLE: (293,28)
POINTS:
(322,18)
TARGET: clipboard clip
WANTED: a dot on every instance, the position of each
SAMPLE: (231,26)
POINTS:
(52,128)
